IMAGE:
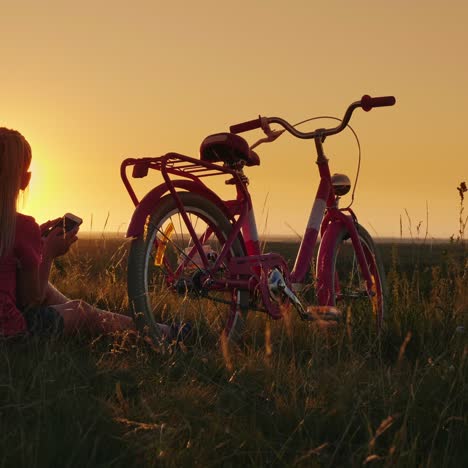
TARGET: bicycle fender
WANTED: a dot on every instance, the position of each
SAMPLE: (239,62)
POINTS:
(151,199)
(325,268)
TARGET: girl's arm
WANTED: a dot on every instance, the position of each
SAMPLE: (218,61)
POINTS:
(32,283)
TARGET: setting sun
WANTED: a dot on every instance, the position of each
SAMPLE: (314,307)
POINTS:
(41,199)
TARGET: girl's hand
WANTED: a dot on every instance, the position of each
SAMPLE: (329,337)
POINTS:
(44,228)
(58,243)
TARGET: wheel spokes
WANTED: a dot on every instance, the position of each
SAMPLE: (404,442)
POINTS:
(180,261)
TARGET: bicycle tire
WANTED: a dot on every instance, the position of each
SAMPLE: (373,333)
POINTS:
(339,281)
(143,303)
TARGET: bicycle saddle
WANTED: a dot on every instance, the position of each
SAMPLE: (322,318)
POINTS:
(229,148)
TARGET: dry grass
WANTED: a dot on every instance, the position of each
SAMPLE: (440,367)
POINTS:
(290,396)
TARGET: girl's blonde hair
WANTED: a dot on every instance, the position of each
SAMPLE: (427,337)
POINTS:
(15,158)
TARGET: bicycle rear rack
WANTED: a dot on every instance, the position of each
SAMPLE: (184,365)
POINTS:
(173,164)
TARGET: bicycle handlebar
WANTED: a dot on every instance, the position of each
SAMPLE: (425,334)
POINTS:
(366,102)
(246,126)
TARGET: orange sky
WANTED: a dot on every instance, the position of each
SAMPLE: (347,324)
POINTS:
(92,82)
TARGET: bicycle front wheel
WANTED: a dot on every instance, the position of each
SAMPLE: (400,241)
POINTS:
(340,281)
(164,269)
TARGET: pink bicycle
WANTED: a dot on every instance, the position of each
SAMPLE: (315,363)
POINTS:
(188,243)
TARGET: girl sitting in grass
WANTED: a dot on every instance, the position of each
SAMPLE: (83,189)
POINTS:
(29,304)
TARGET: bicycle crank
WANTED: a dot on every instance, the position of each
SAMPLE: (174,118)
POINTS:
(278,287)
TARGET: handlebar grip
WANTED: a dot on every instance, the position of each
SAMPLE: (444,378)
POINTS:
(246,126)
(368,103)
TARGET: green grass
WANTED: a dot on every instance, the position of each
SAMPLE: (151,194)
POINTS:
(291,396)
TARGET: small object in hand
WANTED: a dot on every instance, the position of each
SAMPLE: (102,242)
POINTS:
(67,222)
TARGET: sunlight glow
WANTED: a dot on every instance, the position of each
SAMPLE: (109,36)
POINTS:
(185,72)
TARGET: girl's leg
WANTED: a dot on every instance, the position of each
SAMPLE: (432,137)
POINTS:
(79,316)
(54,296)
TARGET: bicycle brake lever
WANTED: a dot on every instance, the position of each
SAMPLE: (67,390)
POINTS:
(272,135)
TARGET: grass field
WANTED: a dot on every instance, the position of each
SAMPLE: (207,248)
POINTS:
(291,396)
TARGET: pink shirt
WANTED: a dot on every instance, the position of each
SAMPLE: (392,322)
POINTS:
(26,254)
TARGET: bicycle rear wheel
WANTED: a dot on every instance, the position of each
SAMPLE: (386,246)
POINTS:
(164,265)
(340,282)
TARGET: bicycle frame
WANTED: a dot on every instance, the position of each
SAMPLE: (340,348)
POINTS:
(248,272)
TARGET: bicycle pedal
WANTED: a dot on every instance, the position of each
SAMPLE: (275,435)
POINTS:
(324,313)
